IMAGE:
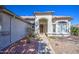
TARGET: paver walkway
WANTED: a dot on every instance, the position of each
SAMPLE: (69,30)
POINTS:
(47,48)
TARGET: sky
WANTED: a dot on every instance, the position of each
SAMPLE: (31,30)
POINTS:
(59,10)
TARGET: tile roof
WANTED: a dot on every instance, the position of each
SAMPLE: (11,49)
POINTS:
(62,17)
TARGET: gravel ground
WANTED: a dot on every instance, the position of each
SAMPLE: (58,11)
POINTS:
(61,45)
(21,47)
(65,45)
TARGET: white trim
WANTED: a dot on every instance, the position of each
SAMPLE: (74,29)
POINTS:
(62,20)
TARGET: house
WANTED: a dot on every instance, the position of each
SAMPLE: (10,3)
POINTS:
(12,27)
(29,19)
(52,25)
(47,23)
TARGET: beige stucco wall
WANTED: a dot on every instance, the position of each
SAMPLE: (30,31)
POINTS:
(50,23)
(16,29)
(5,24)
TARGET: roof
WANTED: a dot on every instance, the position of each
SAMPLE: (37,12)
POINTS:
(53,17)
(44,13)
(24,18)
(7,11)
(62,17)
(28,17)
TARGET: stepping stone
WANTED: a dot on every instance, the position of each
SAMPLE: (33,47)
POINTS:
(31,50)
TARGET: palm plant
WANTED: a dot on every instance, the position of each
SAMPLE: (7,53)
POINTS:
(30,35)
(74,31)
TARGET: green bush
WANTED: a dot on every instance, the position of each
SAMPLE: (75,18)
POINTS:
(75,31)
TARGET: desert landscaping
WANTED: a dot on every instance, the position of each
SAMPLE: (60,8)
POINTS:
(65,45)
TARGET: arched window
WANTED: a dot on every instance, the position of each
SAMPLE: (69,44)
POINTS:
(62,26)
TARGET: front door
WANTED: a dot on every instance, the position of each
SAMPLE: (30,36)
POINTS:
(41,28)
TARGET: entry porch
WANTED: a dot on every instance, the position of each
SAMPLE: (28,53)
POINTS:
(53,27)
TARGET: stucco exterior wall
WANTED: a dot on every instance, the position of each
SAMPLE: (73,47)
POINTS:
(18,29)
(13,28)
(49,22)
(5,31)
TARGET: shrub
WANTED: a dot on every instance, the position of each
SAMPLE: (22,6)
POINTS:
(75,31)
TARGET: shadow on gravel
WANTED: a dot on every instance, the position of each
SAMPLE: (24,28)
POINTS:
(21,47)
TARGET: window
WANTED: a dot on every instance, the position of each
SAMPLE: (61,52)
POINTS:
(54,27)
(62,27)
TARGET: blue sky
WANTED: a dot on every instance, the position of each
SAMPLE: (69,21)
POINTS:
(60,10)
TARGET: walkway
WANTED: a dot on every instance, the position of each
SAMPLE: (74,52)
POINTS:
(44,45)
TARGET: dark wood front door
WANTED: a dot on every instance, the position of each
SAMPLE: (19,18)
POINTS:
(41,28)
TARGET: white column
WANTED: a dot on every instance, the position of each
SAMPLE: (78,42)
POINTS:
(50,28)
(69,27)
(36,26)
(57,28)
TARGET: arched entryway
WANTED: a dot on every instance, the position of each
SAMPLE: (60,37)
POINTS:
(43,25)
